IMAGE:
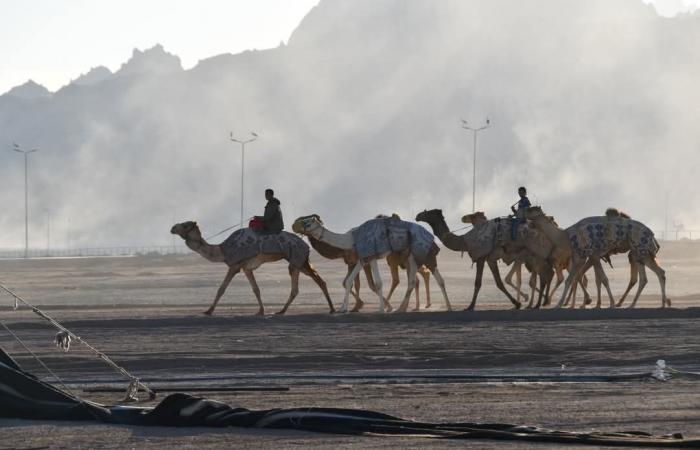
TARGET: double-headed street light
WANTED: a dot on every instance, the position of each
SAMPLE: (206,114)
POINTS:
(243,143)
(476,130)
(17,148)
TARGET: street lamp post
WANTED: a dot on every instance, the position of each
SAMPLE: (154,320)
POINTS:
(243,143)
(466,126)
(17,148)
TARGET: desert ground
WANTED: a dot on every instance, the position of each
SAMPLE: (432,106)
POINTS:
(146,313)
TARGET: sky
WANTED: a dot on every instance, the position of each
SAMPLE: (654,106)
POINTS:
(55,41)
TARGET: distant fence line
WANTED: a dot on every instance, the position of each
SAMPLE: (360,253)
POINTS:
(96,251)
(141,250)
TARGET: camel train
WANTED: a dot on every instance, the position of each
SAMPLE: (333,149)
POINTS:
(536,243)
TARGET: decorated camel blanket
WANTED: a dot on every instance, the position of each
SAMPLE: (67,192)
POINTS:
(599,235)
(380,236)
(481,239)
(246,243)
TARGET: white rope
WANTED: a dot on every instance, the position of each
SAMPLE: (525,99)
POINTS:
(65,335)
(238,225)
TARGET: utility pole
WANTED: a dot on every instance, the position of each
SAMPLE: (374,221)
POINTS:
(17,148)
(474,130)
(243,143)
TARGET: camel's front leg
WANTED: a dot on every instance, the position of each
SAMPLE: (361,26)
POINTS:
(493,265)
(232,271)
(347,284)
(441,283)
(574,274)
(356,293)
(294,275)
(411,270)
(477,283)
(309,270)
(256,291)
(601,278)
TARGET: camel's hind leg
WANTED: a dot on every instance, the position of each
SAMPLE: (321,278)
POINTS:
(256,289)
(347,284)
(232,271)
(642,283)
(411,270)
(417,308)
(356,291)
(309,270)
(601,277)
(394,268)
(441,283)
(661,274)
(426,281)
(634,272)
(378,287)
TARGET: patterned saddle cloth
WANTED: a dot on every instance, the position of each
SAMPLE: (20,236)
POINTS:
(246,243)
(601,235)
(380,236)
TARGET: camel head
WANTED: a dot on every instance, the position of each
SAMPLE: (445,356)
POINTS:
(187,230)
(534,212)
(433,216)
(475,218)
(304,224)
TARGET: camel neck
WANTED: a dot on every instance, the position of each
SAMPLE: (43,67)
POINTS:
(448,238)
(324,249)
(555,234)
(207,251)
(342,241)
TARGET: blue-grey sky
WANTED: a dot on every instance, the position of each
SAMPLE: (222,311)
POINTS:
(54,41)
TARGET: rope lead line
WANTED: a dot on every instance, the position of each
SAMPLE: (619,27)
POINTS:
(135,384)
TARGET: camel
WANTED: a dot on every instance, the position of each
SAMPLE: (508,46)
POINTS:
(595,237)
(395,260)
(478,242)
(312,225)
(189,231)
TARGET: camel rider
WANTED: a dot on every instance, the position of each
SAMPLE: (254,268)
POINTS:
(519,213)
(272,220)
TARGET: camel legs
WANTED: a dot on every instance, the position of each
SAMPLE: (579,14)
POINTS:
(441,283)
(378,287)
(256,289)
(660,273)
(411,270)
(347,283)
(356,293)
(394,267)
(516,270)
(493,265)
(634,272)
(309,270)
(426,281)
(232,271)
(477,283)
(574,274)
(417,308)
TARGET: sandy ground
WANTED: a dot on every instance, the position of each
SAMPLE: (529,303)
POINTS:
(145,313)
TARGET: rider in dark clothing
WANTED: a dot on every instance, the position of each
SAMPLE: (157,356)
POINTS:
(519,213)
(272,220)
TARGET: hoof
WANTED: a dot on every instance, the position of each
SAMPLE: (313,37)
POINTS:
(208,312)
(332,311)
(261,312)
(428,305)
(278,313)
(415,309)
(668,302)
